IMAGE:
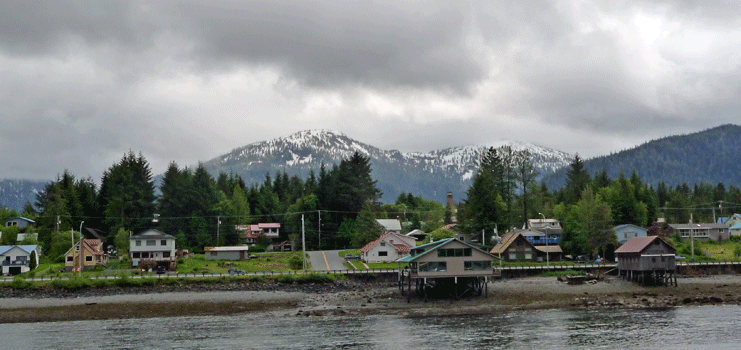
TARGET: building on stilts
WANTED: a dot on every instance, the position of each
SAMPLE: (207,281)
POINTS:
(448,267)
(648,261)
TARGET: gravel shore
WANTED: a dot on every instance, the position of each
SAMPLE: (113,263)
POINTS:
(347,297)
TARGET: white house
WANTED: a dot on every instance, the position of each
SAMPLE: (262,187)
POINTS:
(228,253)
(387,248)
(16,259)
(152,245)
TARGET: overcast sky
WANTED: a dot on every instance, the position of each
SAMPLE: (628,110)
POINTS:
(81,83)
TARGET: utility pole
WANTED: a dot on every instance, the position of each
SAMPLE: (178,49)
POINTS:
(218,223)
(319,227)
(547,255)
(303,241)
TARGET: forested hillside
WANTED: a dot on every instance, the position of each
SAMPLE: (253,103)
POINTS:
(710,156)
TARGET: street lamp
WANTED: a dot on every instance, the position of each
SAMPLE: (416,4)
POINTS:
(80,253)
(547,256)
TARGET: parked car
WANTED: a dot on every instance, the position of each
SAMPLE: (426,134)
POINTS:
(582,259)
(161,270)
(235,271)
(350,256)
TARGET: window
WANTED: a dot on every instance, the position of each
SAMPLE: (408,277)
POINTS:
(477,265)
(136,255)
(454,252)
(70,258)
(138,243)
(512,256)
(528,256)
(165,254)
(88,258)
(384,253)
(151,243)
(163,242)
(383,243)
(214,254)
(434,266)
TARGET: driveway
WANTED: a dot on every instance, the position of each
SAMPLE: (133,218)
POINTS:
(326,260)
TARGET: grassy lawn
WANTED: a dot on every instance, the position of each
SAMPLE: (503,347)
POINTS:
(391,265)
(196,263)
(265,262)
(354,251)
(720,251)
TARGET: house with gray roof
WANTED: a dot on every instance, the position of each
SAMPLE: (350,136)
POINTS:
(153,247)
(703,232)
(19,221)
(17,259)
(390,225)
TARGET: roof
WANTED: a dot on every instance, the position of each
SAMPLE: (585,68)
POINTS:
(21,218)
(152,233)
(448,226)
(620,227)
(554,248)
(688,226)
(722,220)
(390,224)
(736,226)
(532,232)
(370,245)
(638,244)
(415,232)
(28,248)
(228,249)
(506,241)
(430,247)
(91,245)
(402,248)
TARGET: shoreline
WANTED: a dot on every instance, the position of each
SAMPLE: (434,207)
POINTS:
(346,297)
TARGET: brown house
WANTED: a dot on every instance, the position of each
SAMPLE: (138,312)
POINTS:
(515,247)
(647,259)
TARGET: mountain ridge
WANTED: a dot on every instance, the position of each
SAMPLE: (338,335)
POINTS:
(711,156)
(427,174)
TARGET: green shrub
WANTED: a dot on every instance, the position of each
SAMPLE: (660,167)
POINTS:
(296,262)
(257,249)
(20,283)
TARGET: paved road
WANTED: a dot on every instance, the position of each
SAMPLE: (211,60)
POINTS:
(326,260)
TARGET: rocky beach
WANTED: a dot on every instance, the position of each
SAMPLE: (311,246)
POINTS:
(351,297)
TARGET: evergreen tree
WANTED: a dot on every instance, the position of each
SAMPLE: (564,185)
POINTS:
(368,228)
(483,206)
(576,182)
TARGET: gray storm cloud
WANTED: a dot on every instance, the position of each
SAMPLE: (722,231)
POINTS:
(83,82)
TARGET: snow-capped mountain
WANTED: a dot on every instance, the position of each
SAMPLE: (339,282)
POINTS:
(429,175)
(15,193)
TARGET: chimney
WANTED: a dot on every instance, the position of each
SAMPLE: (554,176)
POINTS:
(449,201)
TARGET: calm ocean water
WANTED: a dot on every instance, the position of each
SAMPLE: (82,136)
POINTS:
(703,327)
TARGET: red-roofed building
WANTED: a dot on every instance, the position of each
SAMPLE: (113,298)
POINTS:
(92,253)
(252,233)
(387,248)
